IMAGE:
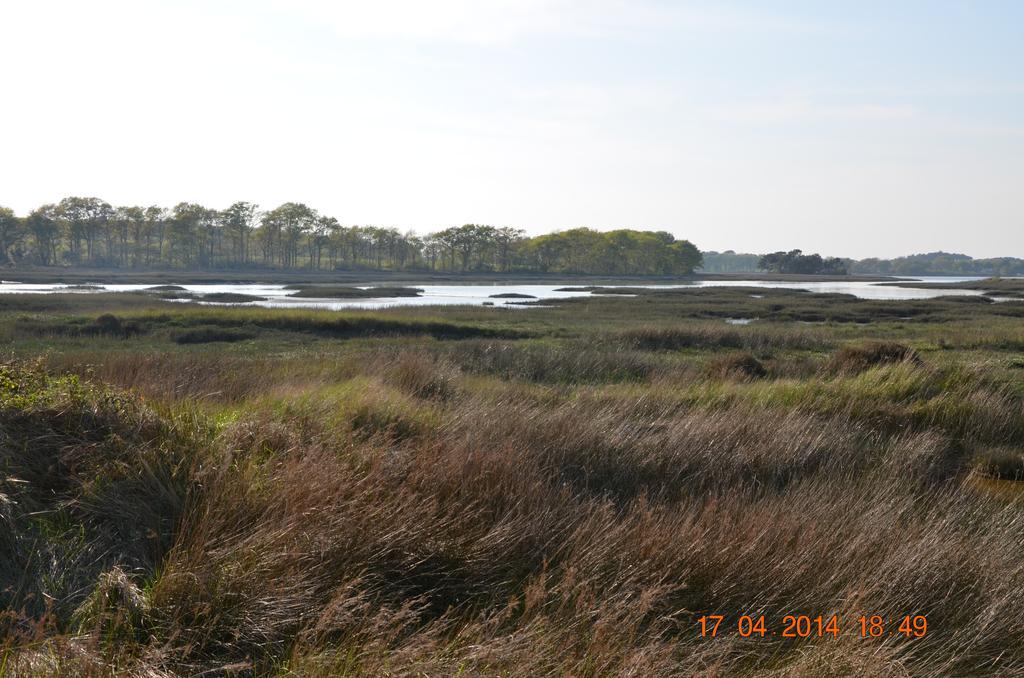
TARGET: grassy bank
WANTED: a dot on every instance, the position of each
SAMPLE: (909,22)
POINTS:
(561,490)
(1012,288)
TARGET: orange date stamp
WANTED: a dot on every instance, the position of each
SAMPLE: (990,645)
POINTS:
(806,626)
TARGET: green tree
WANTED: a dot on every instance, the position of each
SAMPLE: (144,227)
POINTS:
(239,221)
(191,234)
(42,224)
(687,258)
(126,226)
(83,219)
(795,261)
(11,233)
(506,240)
(320,230)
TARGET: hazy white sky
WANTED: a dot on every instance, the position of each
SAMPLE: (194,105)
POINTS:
(850,128)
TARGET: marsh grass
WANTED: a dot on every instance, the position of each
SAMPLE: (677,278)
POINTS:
(574,362)
(856,359)
(741,366)
(547,492)
(422,375)
(713,336)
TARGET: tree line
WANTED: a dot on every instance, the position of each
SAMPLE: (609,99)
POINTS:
(940,263)
(90,232)
(931,263)
(795,261)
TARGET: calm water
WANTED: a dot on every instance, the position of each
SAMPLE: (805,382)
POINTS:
(276,296)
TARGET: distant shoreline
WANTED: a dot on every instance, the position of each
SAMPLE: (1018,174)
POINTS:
(80,275)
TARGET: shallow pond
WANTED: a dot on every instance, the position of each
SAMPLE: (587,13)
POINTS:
(277,296)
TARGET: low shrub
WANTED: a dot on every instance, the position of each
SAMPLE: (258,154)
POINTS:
(108,324)
(422,375)
(855,359)
(737,366)
(1003,463)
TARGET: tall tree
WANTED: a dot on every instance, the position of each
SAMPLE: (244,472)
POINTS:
(42,224)
(83,219)
(155,233)
(287,224)
(191,234)
(506,239)
(239,222)
(11,233)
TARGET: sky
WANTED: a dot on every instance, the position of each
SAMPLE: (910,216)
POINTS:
(847,128)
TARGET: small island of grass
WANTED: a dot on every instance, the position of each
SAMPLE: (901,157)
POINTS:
(229,298)
(331,292)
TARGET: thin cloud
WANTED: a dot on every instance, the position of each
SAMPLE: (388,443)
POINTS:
(790,112)
(503,22)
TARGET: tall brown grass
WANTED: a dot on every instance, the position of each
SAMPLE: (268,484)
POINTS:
(498,535)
